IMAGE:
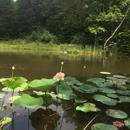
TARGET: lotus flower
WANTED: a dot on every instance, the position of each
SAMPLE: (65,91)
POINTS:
(59,76)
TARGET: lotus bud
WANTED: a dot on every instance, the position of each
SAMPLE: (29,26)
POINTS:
(84,67)
(13,68)
(62,63)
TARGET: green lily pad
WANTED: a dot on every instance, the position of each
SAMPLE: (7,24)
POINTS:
(5,120)
(42,85)
(64,91)
(86,88)
(97,81)
(124,99)
(24,87)
(105,73)
(6,89)
(127,123)
(70,80)
(119,76)
(14,82)
(28,101)
(80,100)
(106,90)
(1,95)
(116,113)
(112,95)
(13,98)
(87,107)
(124,92)
(105,100)
(101,126)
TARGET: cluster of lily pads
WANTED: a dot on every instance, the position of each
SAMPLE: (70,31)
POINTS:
(110,91)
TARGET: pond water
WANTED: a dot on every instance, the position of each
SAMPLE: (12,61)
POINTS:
(37,65)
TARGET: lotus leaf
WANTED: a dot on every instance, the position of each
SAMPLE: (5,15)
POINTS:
(97,81)
(41,85)
(28,101)
(80,100)
(119,76)
(124,99)
(6,89)
(105,73)
(106,90)
(14,82)
(101,126)
(39,93)
(24,87)
(65,92)
(86,88)
(87,107)
(54,97)
(112,95)
(70,80)
(111,78)
(124,92)
(116,113)
(105,100)
(1,95)
(13,98)
(75,87)
(127,123)
(5,120)
(127,86)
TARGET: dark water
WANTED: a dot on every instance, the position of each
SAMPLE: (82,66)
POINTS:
(37,65)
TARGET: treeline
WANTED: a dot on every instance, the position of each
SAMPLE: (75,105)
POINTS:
(66,21)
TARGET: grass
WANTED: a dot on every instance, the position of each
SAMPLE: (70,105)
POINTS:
(71,49)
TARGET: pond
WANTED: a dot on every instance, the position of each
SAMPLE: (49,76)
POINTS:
(38,65)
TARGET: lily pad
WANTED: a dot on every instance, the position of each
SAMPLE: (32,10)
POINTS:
(116,113)
(28,101)
(42,85)
(112,95)
(124,99)
(6,89)
(127,123)
(105,100)
(97,81)
(101,126)
(106,90)
(124,92)
(119,76)
(24,87)
(14,82)
(5,120)
(70,80)
(1,95)
(105,73)
(80,100)
(86,88)
(87,107)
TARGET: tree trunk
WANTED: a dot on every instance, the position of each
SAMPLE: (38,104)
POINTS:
(117,28)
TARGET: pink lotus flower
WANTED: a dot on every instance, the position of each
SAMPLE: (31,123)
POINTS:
(59,76)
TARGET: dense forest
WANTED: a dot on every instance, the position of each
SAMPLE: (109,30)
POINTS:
(85,22)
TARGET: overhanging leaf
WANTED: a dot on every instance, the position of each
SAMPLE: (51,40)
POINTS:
(127,123)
